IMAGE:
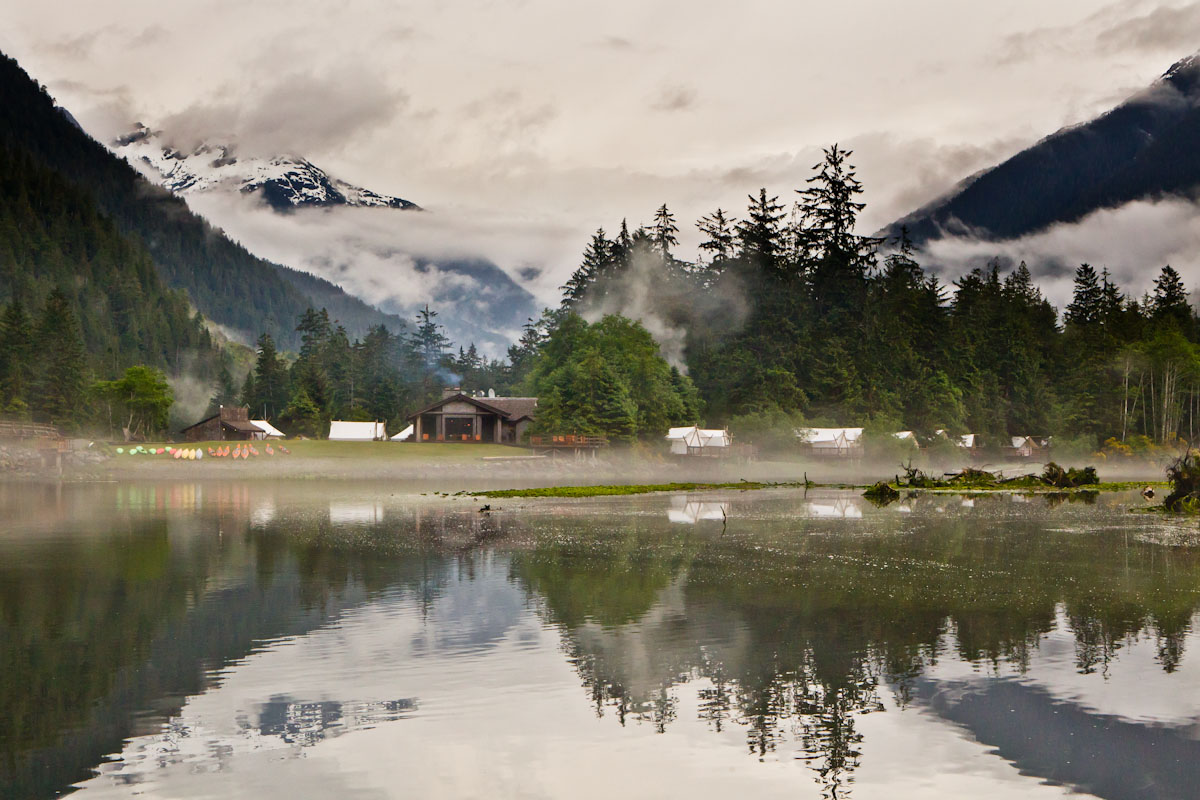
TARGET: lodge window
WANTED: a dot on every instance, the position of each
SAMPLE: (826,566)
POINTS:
(460,429)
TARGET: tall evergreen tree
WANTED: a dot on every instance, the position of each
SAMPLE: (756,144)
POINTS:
(59,378)
(1169,300)
(1086,304)
(759,234)
(720,233)
(16,350)
(429,338)
(270,381)
(664,232)
(596,258)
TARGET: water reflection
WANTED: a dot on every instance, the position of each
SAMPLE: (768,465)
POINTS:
(168,636)
(689,511)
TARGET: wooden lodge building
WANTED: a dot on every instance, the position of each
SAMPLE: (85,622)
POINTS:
(458,417)
(229,424)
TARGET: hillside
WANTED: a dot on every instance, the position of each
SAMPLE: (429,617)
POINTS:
(52,236)
(229,285)
(1144,148)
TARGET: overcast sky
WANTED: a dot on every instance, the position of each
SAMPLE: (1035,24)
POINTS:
(557,117)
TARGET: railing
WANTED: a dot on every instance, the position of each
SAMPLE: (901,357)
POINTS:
(27,430)
(568,440)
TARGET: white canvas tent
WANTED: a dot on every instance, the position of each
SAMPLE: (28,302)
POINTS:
(832,441)
(404,435)
(341,431)
(688,511)
(269,431)
(696,441)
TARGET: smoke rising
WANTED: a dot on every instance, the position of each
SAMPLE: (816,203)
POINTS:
(668,305)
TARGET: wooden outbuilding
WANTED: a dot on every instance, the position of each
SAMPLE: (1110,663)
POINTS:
(229,424)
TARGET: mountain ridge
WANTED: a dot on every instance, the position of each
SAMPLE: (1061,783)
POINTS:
(228,284)
(1140,149)
(285,182)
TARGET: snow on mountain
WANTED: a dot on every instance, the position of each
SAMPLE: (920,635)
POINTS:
(284,182)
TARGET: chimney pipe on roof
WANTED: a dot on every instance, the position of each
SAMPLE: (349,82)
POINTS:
(450,391)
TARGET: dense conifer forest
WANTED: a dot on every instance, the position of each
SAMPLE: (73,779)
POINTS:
(790,315)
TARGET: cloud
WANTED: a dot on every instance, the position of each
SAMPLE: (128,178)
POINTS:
(1163,28)
(399,261)
(617,43)
(1133,242)
(297,113)
(674,98)
(1137,27)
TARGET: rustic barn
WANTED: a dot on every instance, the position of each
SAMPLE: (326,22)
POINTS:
(458,417)
(229,424)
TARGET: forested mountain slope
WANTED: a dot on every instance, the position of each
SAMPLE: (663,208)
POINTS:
(226,283)
(1144,148)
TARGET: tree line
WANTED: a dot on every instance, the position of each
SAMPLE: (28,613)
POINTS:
(381,376)
(790,315)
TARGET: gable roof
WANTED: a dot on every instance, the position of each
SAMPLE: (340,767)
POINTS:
(819,436)
(238,425)
(243,425)
(516,407)
(511,408)
(201,422)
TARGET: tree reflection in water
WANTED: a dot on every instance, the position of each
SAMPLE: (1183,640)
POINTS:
(790,626)
(791,633)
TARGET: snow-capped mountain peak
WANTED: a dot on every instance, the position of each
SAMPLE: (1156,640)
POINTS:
(284,182)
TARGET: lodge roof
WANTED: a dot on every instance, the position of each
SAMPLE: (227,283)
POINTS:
(511,408)
(237,424)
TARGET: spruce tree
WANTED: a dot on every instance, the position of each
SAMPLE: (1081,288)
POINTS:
(270,380)
(16,348)
(720,233)
(596,259)
(759,234)
(1169,301)
(1086,302)
(59,379)
(664,233)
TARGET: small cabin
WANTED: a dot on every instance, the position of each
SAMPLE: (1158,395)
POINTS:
(229,424)
(459,417)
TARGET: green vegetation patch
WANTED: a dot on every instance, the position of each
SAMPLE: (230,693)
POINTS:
(645,488)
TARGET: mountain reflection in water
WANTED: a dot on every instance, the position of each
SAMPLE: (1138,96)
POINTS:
(259,640)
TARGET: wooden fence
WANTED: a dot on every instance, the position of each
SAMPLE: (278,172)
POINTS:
(569,440)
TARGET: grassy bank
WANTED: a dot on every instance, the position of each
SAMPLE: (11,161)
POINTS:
(358,451)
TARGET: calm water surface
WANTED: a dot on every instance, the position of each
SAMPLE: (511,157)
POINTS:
(260,641)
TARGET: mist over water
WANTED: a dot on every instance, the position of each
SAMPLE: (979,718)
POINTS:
(300,640)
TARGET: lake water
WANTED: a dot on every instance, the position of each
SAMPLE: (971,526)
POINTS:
(358,641)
